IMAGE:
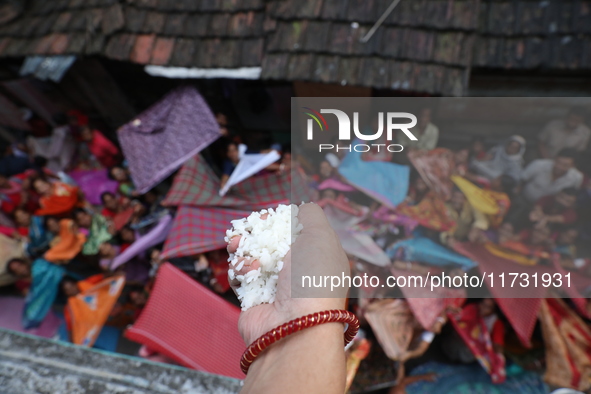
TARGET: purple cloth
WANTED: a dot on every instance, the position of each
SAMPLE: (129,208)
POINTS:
(155,236)
(11,312)
(166,135)
(93,183)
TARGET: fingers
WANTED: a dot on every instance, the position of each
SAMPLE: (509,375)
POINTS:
(233,244)
(241,268)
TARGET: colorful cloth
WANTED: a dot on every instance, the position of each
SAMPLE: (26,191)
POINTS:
(199,230)
(63,199)
(519,304)
(384,182)
(473,331)
(427,305)
(43,291)
(472,379)
(93,183)
(98,234)
(435,167)
(489,202)
(355,243)
(424,250)
(568,346)
(393,325)
(69,243)
(336,185)
(166,135)
(155,236)
(430,213)
(39,237)
(178,322)
(90,309)
(197,185)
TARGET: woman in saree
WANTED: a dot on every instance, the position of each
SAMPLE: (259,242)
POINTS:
(67,245)
(99,230)
(57,198)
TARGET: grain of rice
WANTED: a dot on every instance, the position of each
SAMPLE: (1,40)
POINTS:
(268,241)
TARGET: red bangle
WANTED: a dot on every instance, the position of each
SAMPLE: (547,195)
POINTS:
(295,325)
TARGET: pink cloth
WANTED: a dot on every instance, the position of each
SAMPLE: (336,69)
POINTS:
(187,322)
(336,185)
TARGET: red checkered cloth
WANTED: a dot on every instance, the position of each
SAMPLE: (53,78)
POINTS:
(199,230)
(190,324)
(521,312)
(197,185)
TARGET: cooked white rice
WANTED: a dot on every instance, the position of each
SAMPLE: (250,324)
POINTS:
(268,241)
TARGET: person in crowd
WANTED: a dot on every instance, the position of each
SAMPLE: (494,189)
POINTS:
(59,148)
(477,149)
(504,159)
(559,209)
(426,132)
(110,205)
(418,189)
(122,176)
(19,268)
(570,132)
(230,162)
(15,161)
(103,150)
(97,227)
(544,177)
(565,243)
(469,221)
(56,198)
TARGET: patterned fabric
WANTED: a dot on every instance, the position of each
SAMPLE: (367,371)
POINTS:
(476,336)
(197,185)
(491,203)
(430,213)
(435,167)
(472,379)
(187,322)
(384,182)
(199,230)
(166,135)
(99,233)
(568,346)
(423,250)
(44,288)
(90,309)
(521,312)
(93,183)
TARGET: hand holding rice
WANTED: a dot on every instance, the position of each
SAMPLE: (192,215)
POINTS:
(265,239)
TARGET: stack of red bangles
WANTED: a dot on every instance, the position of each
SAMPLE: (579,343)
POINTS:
(295,325)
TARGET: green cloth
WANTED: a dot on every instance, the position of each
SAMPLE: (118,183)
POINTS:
(99,234)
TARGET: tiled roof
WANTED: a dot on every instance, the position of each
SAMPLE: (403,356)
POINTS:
(424,45)
(207,33)
(531,34)
(427,46)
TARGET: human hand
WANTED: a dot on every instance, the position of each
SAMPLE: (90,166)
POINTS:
(316,246)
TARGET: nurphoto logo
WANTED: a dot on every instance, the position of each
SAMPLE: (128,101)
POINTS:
(344,130)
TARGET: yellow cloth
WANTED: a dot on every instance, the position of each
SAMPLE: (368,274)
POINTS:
(482,200)
(509,255)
